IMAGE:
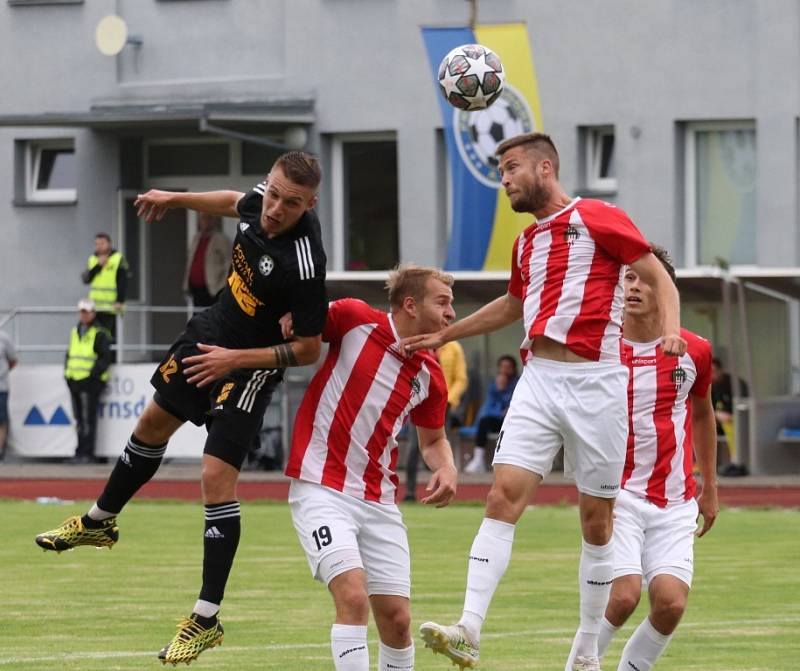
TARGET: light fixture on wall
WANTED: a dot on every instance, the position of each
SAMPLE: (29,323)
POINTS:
(111,35)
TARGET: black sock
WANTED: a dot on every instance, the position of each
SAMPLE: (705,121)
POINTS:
(204,622)
(135,466)
(221,538)
(89,523)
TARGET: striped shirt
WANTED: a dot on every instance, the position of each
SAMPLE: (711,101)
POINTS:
(346,427)
(659,458)
(567,269)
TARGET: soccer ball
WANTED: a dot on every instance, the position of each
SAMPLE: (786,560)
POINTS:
(471,77)
(488,128)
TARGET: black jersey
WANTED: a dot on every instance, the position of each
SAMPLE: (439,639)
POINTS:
(268,278)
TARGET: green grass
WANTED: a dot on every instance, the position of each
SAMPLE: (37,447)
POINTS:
(99,609)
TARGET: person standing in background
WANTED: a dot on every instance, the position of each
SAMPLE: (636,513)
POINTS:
(8,359)
(107,276)
(208,261)
(86,373)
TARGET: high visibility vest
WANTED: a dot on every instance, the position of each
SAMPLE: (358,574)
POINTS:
(81,356)
(103,288)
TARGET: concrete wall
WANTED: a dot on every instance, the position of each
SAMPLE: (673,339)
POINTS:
(643,67)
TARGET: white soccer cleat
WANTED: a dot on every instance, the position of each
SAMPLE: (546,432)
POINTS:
(586,664)
(475,465)
(452,642)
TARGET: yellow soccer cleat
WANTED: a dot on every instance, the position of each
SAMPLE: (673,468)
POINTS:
(192,638)
(451,642)
(71,533)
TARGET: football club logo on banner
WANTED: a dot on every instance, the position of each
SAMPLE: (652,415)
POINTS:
(479,133)
(482,224)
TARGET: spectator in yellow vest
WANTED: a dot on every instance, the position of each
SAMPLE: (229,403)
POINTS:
(86,373)
(107,276)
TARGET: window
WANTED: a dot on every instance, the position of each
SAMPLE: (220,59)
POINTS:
(366,218)
(51,171)
(188,157)
(720,186)
(599,163)
(257,159)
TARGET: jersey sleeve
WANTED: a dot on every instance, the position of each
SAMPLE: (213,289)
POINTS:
(515,285)
(615,233)
(249,204)
(306,286)
(343,315)
(701,353)
(430,414)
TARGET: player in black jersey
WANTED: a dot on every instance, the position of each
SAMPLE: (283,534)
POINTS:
(277,267)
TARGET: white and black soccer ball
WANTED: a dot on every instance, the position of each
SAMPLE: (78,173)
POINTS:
(471,77)
(488,128)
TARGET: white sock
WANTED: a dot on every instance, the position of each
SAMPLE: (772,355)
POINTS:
(394,659)
(595,574)
(607,632)
(488,561)
(205,608)
(478,453)
(349,647)
(643,648)
(99,514)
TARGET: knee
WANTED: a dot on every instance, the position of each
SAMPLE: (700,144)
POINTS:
(667,610)
(621,605)
(597,523)
(352,604)
(502,505)
(396,625)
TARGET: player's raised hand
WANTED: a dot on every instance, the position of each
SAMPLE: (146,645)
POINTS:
(442,486)
(708,506)
(152,206)
(213,364)
(422,341)
(673,344)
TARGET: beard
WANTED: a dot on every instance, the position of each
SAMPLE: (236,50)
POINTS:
(531,199)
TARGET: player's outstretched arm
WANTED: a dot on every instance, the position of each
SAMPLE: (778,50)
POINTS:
(438,456)
(650,270)
(216,362)
(704,433)
(500,312)
(153,204)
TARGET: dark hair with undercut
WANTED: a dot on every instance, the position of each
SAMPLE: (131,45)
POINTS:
(407,279)
(666,260)
(538,142)
(300,167)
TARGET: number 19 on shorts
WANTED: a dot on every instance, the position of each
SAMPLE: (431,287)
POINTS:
(322,537)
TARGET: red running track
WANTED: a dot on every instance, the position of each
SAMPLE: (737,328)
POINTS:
(785,497)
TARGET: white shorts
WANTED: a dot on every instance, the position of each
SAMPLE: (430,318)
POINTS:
(651,541)
(582,406)
(340,532)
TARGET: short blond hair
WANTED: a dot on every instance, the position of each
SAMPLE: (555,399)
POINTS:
(407,279)
(540,143)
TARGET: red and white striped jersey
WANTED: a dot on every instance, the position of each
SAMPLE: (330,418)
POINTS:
(660,456)
(346,427)
(567,269)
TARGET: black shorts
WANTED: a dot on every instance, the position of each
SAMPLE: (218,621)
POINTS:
(232,408)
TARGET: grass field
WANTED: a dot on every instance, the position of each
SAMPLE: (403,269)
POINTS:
(98,609)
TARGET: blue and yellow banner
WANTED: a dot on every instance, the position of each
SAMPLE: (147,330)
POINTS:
(483,225)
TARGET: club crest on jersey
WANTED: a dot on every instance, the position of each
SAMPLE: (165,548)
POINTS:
(678,377)
(571,234)
(243,226)
(416,387)
(265,265)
